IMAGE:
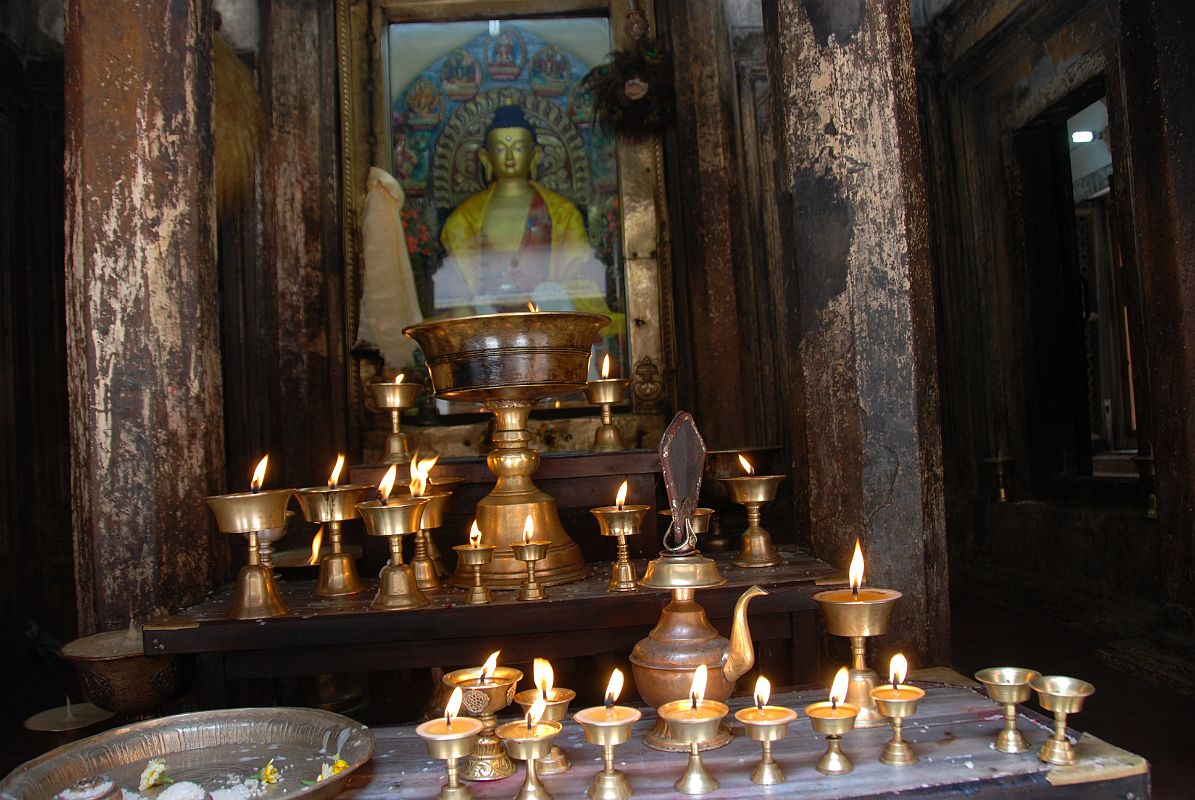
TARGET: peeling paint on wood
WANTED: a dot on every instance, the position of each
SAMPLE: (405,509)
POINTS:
(143,349)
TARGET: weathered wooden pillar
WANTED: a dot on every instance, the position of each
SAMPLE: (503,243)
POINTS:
(854,228)
(142,343)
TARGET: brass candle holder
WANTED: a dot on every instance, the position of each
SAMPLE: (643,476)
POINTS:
(555,761)
(859,614)
(621,520)
(606,392)
(530,551)
(608,726)
(394,518)
(753,491)
(531,742)
(427,578)
(1008,686)
(833,719)
(1062,696)
(449,740)
(265,544)
(484,697)
(897,702)
(475,555)
(395,397)
(256,595)
(331,506)
(765,724)
(693,724)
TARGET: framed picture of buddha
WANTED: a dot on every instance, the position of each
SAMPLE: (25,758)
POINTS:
(468,132)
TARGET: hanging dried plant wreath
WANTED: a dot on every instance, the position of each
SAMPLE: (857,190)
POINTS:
(633,93)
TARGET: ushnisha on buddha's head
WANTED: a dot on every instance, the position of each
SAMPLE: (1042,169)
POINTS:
(511,150)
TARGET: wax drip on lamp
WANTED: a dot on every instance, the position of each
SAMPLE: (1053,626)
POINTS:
(613,689)
(697,688)
(543,676)
(746,465)
(489,666)
(386,484)
(838,688)
(453,707)
(259,474)
(855,572)
(763,691)
(334,478)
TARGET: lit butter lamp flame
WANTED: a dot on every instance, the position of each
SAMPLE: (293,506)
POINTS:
(763,691)
(489,666)
(421,473)
(528,530)
(613,689)
(855,573)
(259,473)
(697,688)
(746,465)
(315,546)
(544,676)
(474,535)
(621,499)
(399,378)
(334,478)
(898,668)
(535,713)
(838,688)
(532,306)
(605,366)
(453,708)
(386,484)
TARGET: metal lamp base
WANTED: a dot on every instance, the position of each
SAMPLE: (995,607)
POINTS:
(1057,752)
(834,761)
(554,763)
(256,596)
(337,576)
(898,754)
(612,785)
(757,550)
(397,589)
(696,778)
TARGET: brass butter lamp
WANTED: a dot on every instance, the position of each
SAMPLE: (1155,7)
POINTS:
(427,576)
(475,555)
(530,551)
(530,740)
(1009,686)
(487,689)
(556,700)
(608,726)
(256,595)
(621,520)
(607,392)
(834,719)
(510,362)
(754,491)
(859,614)
(449,740)
(1062,696)
(765,724)
(695,721)
(395,397)
(897,701)
(333,505)
(394,518)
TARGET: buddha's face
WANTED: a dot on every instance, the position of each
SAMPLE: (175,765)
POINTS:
(509,153)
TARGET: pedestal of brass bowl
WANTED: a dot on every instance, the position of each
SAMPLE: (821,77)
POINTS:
(510,362)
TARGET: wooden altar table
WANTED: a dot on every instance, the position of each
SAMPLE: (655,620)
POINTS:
(951,733)
(577,619)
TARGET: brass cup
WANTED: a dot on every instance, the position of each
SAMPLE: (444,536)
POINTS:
(475,558)
(394,397)
(753,491)
(1062,696)
(1008,686)
(833,761)
(556,761)
(606,392)
(529,553)
(765,731)
(699,521)
(488,761)
(450,749)
(693,571)
(608,729)
(897,752)
(256,595)
(621,521)
(397,517)
(332,505)
(857,618)
(695,779)
(531,749)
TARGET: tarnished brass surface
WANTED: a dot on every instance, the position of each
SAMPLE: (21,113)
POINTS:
(249,512)
(117,676)
(322,504)
(205,748)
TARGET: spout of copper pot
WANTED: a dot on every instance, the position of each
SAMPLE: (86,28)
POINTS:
(742,652)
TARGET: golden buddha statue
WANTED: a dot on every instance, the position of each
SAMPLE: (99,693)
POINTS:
(517,241)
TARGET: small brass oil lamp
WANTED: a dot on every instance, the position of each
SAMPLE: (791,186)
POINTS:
(897,702)
(622,521)
(694,722)
(1062,696)
(449,740)
(487,690)
(475,555)
(395,397)
(765,724)
(753,491)
(530,739)
(607,392)
(859,613)
(529,551)
(331,506)
(556,702)
(609,725)
(256,595)
(394,518)
(833,719)
(427,577)
(1009,686)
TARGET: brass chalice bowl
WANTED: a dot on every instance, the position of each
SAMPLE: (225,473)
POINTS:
(859,617)
(395,397)
(621,521)
(753,491)
(555,761)
(483,699)
(510,362)
(475,557)
(1009,686)
(1062,696)
(332,506)
(606,392)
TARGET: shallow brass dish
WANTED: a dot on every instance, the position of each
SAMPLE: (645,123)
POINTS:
(206,748)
